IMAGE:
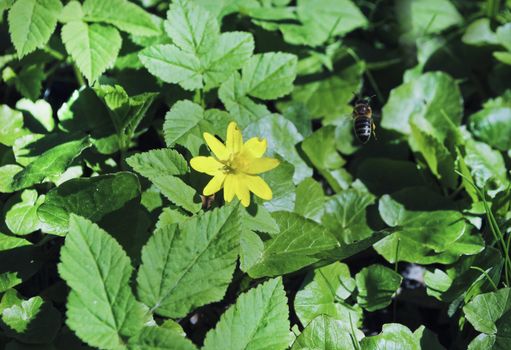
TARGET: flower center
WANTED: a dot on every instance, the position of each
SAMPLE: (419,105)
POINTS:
(232,165)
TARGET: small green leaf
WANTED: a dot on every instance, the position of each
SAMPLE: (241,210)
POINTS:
(50,164)
(157,162)
(158,338)
(101,308)
(493,126)
(94,47)
(123,14)
(31,23)
(40,111)
(175,260)
(258,320)
(325,332)
(178,192)
(22,218)
(29,81)
(486,309)
(91,198)
(376,285)
(322,293)
(12,125)
(479,33)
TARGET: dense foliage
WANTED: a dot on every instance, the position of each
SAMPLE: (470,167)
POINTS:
(108,241)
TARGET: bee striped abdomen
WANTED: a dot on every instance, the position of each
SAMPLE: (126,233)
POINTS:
(363,128)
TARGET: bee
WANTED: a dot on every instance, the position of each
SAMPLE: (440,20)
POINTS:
(363,123)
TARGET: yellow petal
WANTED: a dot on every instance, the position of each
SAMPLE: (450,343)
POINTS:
(260,165)
(255,146)
(217,147)
(214,185)
(259,187)
(229,187)
(208,165)
(234,138)
(242,191)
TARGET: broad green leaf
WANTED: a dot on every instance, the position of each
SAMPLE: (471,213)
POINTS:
(40,111)
(486,309)
(178,192)
(30,321)
(482,342)
(101,308)
(503,35)
(376,285)
(270,75)
(493,126)
(310,199)
(239,105)
(259,219)
(91,198)
(191,27)
(123,14)
(325,332)
(187,121)
(22,218)
(393,337)
(191,265)
(12,125)
(157,162)
(422,17)
(322,293)
(72,11)
(31,23)
(282,137)
(479,33)
(50,164)
(258,320)
(158,338)
(432,96)
(280,181)
(427,339)
(11,242)
(7,173)
(345,215)
(94,47)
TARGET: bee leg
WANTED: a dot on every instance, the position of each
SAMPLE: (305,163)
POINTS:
(373,128)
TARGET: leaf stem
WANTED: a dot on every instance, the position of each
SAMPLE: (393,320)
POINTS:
(79,76)
(485,275)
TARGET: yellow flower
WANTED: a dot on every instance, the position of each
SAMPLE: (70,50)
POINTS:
(235,166)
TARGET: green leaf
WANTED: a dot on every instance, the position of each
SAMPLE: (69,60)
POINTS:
(322,293)
(345,215)
(7,173)
(258,320)
(325,332)
(310,199)
(432,96)
(22,218)
(393,337)
(191,27)
(239,105)
(31,23)
(158,162)
(50,164)
(93,47)
(486,309)
(422,17)
(123,14)
(479,33)
(503,34)
(159,338)
(31,321)
(12,125)
(11,242)
(280,181)
(282,136)
(376,285)
(178,192)
(270,75)
(259,219)
(91,198)
(40,111)
(101,308)
(29,81)
(493,126)
(72,11)
(190,266)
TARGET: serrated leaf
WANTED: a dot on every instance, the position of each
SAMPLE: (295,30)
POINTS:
(270,75)
(327,333)
(258,320)
(158,162)
(22,218)
(376,285)
(175,259)
(191,27)
(50,164)
(159,338)
(31,23)
(91,198)
(322,293)
(94,47)
(123,14)
(178,192)
(101,308)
